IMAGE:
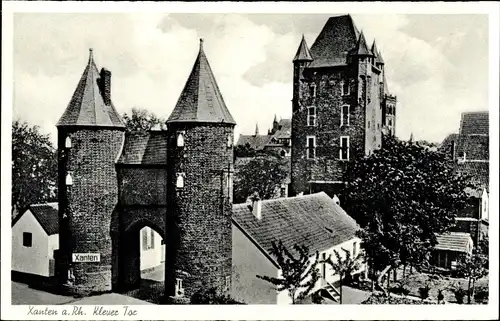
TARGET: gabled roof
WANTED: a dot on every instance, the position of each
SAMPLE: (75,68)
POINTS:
(475,123)
(87,107)
(454,241)
(338,37)
(257,142)
(476,147)
(303,53)
(445,146)
(201,100)
(312,220)
(284,129)
(46,214)
(146,148)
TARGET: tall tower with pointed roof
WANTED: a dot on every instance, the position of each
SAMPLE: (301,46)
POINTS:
(90,137)
(200,166)
(338,95)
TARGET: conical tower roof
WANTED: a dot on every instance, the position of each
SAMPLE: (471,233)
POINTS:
(361,47)
(201,100)
(374,50)
(87,107)
(303,53)
(379,58)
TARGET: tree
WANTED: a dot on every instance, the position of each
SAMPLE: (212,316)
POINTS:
(403,195)
(211,296)
(142,120)
(298,274)
(344,267)
(475,266)
(244,151)
(262,174)
(34,167)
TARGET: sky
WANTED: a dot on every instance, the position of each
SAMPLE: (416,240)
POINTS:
(436,65)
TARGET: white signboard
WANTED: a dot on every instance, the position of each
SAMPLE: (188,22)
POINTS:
(86,257)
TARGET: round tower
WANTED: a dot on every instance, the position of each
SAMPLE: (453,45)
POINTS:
(90,137)
(200,166)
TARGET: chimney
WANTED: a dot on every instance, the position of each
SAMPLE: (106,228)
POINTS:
(256,206)
(105,86)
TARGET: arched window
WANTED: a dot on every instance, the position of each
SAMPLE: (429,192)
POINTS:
(180,139)
(180,180)
(69,179)
(67,143)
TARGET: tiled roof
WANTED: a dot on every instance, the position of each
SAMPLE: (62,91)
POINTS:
(148,148)
(480,172)
(338,37)
(475,123)
(87,107)
(454,241)
(303,53)
(201,100)
(476,147)
(445,146)
(312,220)
(46,214)
(257,142)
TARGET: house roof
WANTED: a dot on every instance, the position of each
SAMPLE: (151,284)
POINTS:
(284,129)
(87,107)
(46,214)
(476,147)
(147,148)
(338,37)
(303,53)
(445,145)
(475,123)
(312,220)
(257,142)
(361,48)
(201,99)
(479,171)
(454,241)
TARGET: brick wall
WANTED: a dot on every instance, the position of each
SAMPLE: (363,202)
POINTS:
(199,214)
(88,203)
(142,186)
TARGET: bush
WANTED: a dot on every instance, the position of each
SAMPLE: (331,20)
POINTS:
(424,292)
(211,297)
(400,289)
(460,295)
(481,296)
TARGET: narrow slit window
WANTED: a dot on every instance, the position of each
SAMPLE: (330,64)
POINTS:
(180,139)
(344,148)
(344,115)
(311,116)
(179,289)
(312,89)
(67,142)
(180,180)
(345,88)
(311,147)
(69,179)
(229,141)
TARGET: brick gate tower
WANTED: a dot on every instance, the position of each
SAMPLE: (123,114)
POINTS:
(199,184)
(90,137)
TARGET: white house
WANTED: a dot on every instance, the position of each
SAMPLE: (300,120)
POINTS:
(35,236)
(314,220)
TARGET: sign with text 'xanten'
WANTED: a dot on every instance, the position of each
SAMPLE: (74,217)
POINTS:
(86,257)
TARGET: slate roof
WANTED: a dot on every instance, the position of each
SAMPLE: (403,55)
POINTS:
(454,241)
(147,148)
(87,107)
(476,123)
(201,99)
(303,53)
(46,214)
(284,129)
(338,37)
(312,220)
(257,142)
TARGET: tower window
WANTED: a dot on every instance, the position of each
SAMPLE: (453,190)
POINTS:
(67,142)
(180,180)
(179,289)
(311,147)
(323,266)
(229,141)
(180,138)
(345,88)
(69,179)
(344,148)
(344,115)
(311,116)
(27,239)
(312,90)
(227,283)
(390,122)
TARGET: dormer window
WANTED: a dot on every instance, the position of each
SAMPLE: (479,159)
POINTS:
(180,138)
(229,141)
(67,142)
(179,183)
(69,179)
